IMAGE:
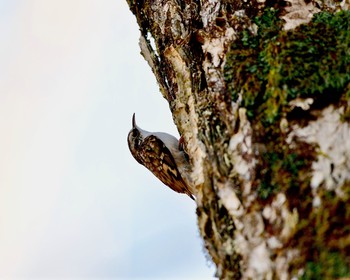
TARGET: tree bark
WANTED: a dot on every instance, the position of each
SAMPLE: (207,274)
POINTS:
(260,91)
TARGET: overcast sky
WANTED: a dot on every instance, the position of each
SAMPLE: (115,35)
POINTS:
(73,202)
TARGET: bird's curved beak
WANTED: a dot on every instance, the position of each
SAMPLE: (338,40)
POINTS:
(133,121)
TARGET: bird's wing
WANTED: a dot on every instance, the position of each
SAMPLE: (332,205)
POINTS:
(158,159)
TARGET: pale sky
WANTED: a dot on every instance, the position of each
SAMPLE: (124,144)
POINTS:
(74,204)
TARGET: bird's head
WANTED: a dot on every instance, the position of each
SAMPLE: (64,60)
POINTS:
(135,138)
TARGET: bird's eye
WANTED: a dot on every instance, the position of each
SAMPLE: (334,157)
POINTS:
(136,136)
(135,133)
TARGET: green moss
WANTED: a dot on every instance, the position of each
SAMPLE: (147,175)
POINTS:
(323,237)
(268,69)
(281,168)
(331,265)
(274,66)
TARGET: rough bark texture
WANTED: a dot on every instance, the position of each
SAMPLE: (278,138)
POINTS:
(260,92)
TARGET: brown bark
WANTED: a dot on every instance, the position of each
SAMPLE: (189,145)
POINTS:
(262,185)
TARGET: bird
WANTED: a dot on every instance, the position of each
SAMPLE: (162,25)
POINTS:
(160,153)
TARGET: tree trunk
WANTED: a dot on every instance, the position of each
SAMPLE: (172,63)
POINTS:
(260,92)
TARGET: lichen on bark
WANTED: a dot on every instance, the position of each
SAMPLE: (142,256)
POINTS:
(260,92)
